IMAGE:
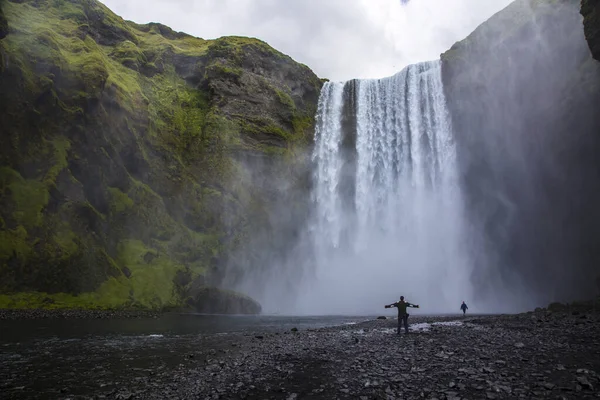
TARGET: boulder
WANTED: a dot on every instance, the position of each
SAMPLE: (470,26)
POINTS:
(211,300)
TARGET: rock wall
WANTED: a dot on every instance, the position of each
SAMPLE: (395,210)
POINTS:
(590,9)
(523,91)
(136,158)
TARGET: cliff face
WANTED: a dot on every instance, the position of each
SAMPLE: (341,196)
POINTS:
(124,169)
(523,91)
(590,9)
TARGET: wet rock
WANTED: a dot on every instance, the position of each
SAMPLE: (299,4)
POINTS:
(481,361)
(585,383)
(210,300)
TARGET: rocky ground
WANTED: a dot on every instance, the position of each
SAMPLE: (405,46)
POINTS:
(536,355)
(543,354)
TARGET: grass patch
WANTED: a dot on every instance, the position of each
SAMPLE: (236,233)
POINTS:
(120,202)
(28,196)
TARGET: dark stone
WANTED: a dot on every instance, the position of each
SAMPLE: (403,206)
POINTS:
(210,300)
(585,383)
(382,317)
(590,9)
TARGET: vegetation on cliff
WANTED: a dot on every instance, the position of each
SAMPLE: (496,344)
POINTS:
(122,150)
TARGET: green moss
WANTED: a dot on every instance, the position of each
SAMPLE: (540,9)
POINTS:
(303,125)
(152,274)
(224,70)
(128,54)
(14,243)
(66,239)
(285,99)
(29,197)
(177,115)
(61,147)
(120,202)
(234,47)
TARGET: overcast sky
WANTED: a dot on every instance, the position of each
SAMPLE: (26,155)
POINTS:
(338,39)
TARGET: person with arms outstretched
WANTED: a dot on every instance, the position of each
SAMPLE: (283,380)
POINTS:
(402,314)
(464,308)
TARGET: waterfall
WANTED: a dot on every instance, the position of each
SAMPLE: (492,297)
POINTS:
(387,209)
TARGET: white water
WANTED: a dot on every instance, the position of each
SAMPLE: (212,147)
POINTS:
(398,230)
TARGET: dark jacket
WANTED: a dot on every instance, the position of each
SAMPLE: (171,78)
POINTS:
(402,306)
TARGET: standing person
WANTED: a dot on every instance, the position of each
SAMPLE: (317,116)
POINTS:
(402,314)
(464,308)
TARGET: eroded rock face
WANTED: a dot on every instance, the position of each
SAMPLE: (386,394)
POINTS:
(217,301)
(590,9)
(523,92)
(129,153)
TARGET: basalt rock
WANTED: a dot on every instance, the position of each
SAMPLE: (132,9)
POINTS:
(590,9)
(217,301)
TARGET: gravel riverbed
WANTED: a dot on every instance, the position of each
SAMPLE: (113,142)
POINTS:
(541,355)
(535,355)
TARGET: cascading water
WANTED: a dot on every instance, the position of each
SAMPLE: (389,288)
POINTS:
(387,207)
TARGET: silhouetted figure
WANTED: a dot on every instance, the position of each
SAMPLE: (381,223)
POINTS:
(464,308)
(402,314)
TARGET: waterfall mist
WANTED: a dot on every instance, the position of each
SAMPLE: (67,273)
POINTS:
(495,205)
(521,96)
(387,210)
(385,216)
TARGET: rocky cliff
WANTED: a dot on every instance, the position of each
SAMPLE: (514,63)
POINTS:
(590,9)
(136,158)
(523,91)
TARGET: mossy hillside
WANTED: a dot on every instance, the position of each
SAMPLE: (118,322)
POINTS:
(121,141)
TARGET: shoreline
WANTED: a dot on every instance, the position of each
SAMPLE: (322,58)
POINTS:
(77,314)
(541,354)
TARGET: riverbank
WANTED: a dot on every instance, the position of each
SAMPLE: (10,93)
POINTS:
(535,355)
(32,314)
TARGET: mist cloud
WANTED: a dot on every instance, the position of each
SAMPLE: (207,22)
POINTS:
(338,39)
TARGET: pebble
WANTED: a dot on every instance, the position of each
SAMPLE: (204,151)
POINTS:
(369,361)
